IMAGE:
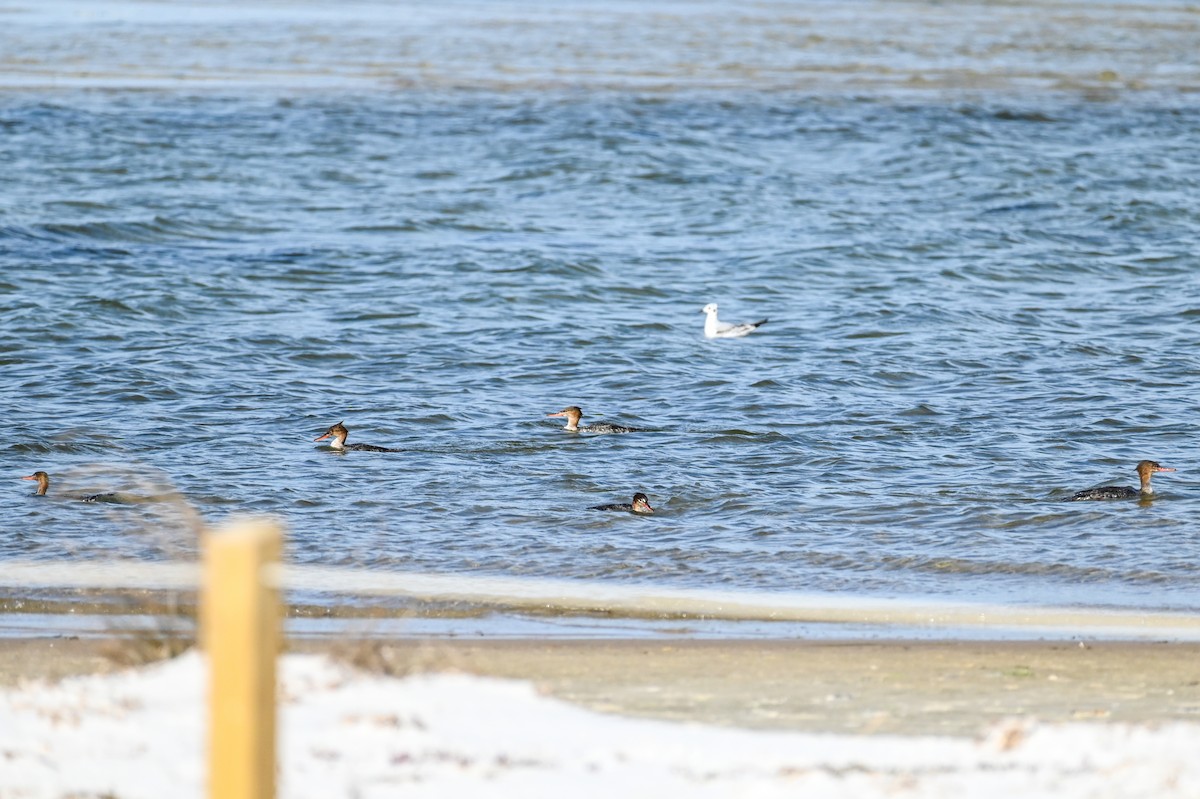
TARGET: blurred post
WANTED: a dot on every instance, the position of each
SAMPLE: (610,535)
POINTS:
(240,618)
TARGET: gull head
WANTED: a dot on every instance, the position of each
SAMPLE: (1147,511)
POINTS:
(711,308)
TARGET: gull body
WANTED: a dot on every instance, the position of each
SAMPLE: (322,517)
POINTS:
(715,328)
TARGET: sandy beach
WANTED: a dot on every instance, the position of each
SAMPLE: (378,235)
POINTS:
(450,718)
(905,687)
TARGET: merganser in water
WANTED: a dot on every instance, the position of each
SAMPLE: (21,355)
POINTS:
(43,481)
(714,328)
(1145,470)
(339,432)
(574,414)
(640,504)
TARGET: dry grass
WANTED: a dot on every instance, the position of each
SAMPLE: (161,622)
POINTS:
(168,631)
(394,659)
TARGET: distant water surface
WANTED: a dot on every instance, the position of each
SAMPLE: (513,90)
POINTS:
(220,236)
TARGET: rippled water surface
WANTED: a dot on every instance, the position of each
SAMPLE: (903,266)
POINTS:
(982,296)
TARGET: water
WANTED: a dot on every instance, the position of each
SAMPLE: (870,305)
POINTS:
(224,228)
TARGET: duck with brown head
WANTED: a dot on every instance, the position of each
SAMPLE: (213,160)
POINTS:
(337,435)
(640,504)
(573,414)
(43,481)
(1145,470)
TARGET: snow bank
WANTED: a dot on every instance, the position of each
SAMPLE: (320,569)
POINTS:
(139,735)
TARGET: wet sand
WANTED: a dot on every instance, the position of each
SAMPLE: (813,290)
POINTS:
(946,687)
(1098,49)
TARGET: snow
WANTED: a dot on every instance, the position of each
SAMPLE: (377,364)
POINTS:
(343,733)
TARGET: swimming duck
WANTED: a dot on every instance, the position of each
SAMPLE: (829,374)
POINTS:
(43,481)
(640,504)
(338,435)
(1145,470)
(573,414)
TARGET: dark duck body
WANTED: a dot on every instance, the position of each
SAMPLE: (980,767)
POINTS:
(1145,470)
(640,504)
(337,435)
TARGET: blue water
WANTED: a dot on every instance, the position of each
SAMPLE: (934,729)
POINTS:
(980,301)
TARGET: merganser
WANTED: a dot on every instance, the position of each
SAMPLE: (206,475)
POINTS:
(574,414)
(640,504)
(43,481)
(339,432)
(714,328)
(1145,470)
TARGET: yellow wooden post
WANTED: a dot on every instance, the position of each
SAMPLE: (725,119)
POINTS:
(240,618)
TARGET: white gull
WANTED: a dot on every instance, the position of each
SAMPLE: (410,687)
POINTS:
(714,328)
